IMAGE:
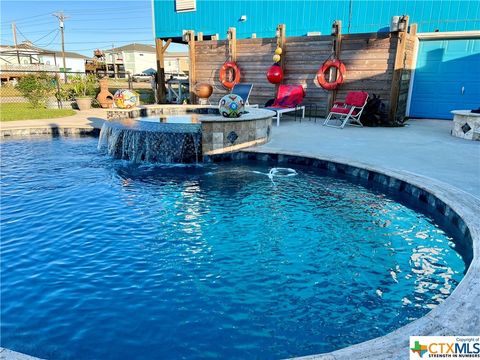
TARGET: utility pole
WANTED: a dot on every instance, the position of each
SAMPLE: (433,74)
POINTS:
(14,32)
(114,60)
(61,19)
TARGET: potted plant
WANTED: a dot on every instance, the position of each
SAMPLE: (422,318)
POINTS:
(84,88)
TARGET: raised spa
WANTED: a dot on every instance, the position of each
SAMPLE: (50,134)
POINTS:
(110,259)
(181,134)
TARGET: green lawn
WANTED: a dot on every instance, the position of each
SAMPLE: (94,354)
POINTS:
(24,111)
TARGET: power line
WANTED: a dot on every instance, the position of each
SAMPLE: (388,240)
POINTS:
(126,9)
(55,37)
(29,17)
(22,34)
(110,29)
(44,36)
(108,42)
(35,24)
(122,18)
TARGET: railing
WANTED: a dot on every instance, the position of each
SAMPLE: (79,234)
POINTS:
(28,67)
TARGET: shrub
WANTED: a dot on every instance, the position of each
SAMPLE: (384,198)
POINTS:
(37,88)
(66,93)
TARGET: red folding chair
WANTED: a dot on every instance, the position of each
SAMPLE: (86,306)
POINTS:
(349,111)
(289,98)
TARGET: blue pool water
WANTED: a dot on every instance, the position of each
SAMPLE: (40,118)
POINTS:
(105,260)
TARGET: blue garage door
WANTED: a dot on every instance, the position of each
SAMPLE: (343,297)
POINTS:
(447,77)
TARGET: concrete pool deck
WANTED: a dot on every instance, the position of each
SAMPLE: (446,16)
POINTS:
(81,122)
(423,153)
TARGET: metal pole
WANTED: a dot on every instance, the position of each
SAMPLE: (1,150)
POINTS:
(114,60)
(61,19)
(14,32)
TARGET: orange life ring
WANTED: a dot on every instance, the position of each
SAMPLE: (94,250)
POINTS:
(341,70)
(223,74)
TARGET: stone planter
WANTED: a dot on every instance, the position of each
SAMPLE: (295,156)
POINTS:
(84,103)
(466,125)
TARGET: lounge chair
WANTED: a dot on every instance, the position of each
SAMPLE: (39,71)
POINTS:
(349,111)
(243,90)
(289,98)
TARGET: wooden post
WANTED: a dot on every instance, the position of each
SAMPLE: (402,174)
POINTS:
(160,80)
(413,29)
(281,42)
(337,48)
(200,36)
(192,73)
(232,43)
(398,69)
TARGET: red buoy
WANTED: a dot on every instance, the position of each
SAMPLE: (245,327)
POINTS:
(275,74)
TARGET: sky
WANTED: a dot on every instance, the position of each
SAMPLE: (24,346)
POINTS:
(90,24)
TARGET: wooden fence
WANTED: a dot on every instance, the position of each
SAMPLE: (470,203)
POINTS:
(378,63)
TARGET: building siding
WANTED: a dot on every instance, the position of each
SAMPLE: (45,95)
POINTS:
(446,78)
(302,16)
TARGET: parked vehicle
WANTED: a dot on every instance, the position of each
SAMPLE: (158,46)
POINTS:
(141,77)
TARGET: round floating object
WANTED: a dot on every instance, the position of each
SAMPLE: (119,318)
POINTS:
(275,74)
(322,79)
(203,90)
(276,58)
(278,51)
(231,106)
(126,99)
(229,81)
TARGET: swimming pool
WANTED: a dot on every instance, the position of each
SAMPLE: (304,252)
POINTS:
(105,259)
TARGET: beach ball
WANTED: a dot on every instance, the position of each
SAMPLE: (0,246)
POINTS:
(276,58)
(231,106)
(126,99)
(275,74)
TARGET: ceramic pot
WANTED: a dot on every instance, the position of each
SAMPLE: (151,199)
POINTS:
(203,90)
(84,103)
(105,97)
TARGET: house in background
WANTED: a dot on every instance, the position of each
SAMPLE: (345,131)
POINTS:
(446,74)
(137,58)
(28,57)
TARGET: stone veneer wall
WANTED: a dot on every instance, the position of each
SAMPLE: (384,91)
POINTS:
(53,131)
(119,114)
(232,135)
(466,125)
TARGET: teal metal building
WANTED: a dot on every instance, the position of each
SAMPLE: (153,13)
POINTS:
(305,16)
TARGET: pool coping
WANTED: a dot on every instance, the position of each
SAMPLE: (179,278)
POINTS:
(459,314)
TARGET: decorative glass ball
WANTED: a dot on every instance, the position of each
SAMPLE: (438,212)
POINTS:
(231,106)
(126,99)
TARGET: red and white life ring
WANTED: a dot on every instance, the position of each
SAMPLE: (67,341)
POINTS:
(223,74)
(341,70)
